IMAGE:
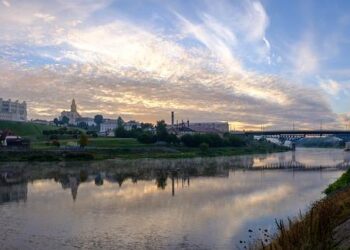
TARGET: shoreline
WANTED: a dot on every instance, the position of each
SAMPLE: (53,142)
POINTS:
(326,225)
(88,154)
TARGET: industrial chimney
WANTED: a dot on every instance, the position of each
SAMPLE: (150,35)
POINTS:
(172,118)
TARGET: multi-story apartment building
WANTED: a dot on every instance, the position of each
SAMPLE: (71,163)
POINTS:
(13,111)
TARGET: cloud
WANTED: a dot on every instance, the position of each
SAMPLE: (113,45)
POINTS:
(142,96)
(44,17)
(255,20)
(119,67)
(6,3)
(306,60)
(331,87)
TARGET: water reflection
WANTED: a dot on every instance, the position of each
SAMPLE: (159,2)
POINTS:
(14,192)
(175,204)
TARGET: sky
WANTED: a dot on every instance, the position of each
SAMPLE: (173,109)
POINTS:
(252,63)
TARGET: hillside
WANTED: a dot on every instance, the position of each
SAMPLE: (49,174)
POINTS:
(26,129)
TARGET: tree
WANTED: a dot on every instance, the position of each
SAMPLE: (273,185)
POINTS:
(161,131)
(56,121)
(147,138)
(146,126)
(83,140)
(120,122)
(120,132)
(172,139)
(65,120)
(98,119)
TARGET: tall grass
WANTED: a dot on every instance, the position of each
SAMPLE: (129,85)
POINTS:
(313,230)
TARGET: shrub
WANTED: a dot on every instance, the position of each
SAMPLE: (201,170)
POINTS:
(204,147)
(83,141)
(147,138)
(172,139)
(236,141)
(213,140)
(56,143)
(53,137)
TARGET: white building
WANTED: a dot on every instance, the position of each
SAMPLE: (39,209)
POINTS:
(13,111)
(88,120)
(130,125)
(108,127)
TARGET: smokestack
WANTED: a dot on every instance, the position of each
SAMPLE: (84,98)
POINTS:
(172,118)
(188,123)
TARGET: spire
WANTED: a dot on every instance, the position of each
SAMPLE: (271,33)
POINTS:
(73,107)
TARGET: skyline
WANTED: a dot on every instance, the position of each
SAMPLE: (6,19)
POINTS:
(251,63)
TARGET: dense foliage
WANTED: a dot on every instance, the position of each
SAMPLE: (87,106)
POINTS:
(62,131)
(213,140)
(147,138)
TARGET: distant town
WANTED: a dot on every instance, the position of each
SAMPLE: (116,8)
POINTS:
(17,111)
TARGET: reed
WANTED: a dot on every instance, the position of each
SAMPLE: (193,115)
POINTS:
(313,230)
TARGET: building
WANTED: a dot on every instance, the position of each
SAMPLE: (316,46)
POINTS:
(88,120)
(130,125)
(199,127)
(180,130)
(209,127)
(13,111)
(72,115)
(108,126)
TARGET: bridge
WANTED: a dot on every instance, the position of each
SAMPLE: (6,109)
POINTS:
(298,133)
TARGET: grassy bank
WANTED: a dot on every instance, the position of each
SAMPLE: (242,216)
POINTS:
(341,183)
(316,229)
(101,142)
(108,148)
(25,129)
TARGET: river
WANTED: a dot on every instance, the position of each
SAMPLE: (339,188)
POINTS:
(213,203)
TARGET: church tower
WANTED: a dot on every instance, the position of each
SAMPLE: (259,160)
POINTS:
(73,107)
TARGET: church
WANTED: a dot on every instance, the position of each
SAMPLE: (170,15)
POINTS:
(72,115)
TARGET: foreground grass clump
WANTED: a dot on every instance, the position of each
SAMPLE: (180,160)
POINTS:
(339,184)
(314,230)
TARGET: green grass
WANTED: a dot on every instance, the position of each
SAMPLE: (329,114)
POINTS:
(339,184)
(114,142)
(25,129)
(101,142)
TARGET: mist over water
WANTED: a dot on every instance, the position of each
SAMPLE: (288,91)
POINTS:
(160,204)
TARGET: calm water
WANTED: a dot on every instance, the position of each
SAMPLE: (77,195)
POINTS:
(158,204)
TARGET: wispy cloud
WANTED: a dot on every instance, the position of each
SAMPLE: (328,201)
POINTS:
(306,60)
(331,87)
(118,66)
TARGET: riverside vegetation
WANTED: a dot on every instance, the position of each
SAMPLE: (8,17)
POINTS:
(50,143)
(325,226)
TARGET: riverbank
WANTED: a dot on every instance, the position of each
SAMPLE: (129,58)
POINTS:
(325,226)
(131,151)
